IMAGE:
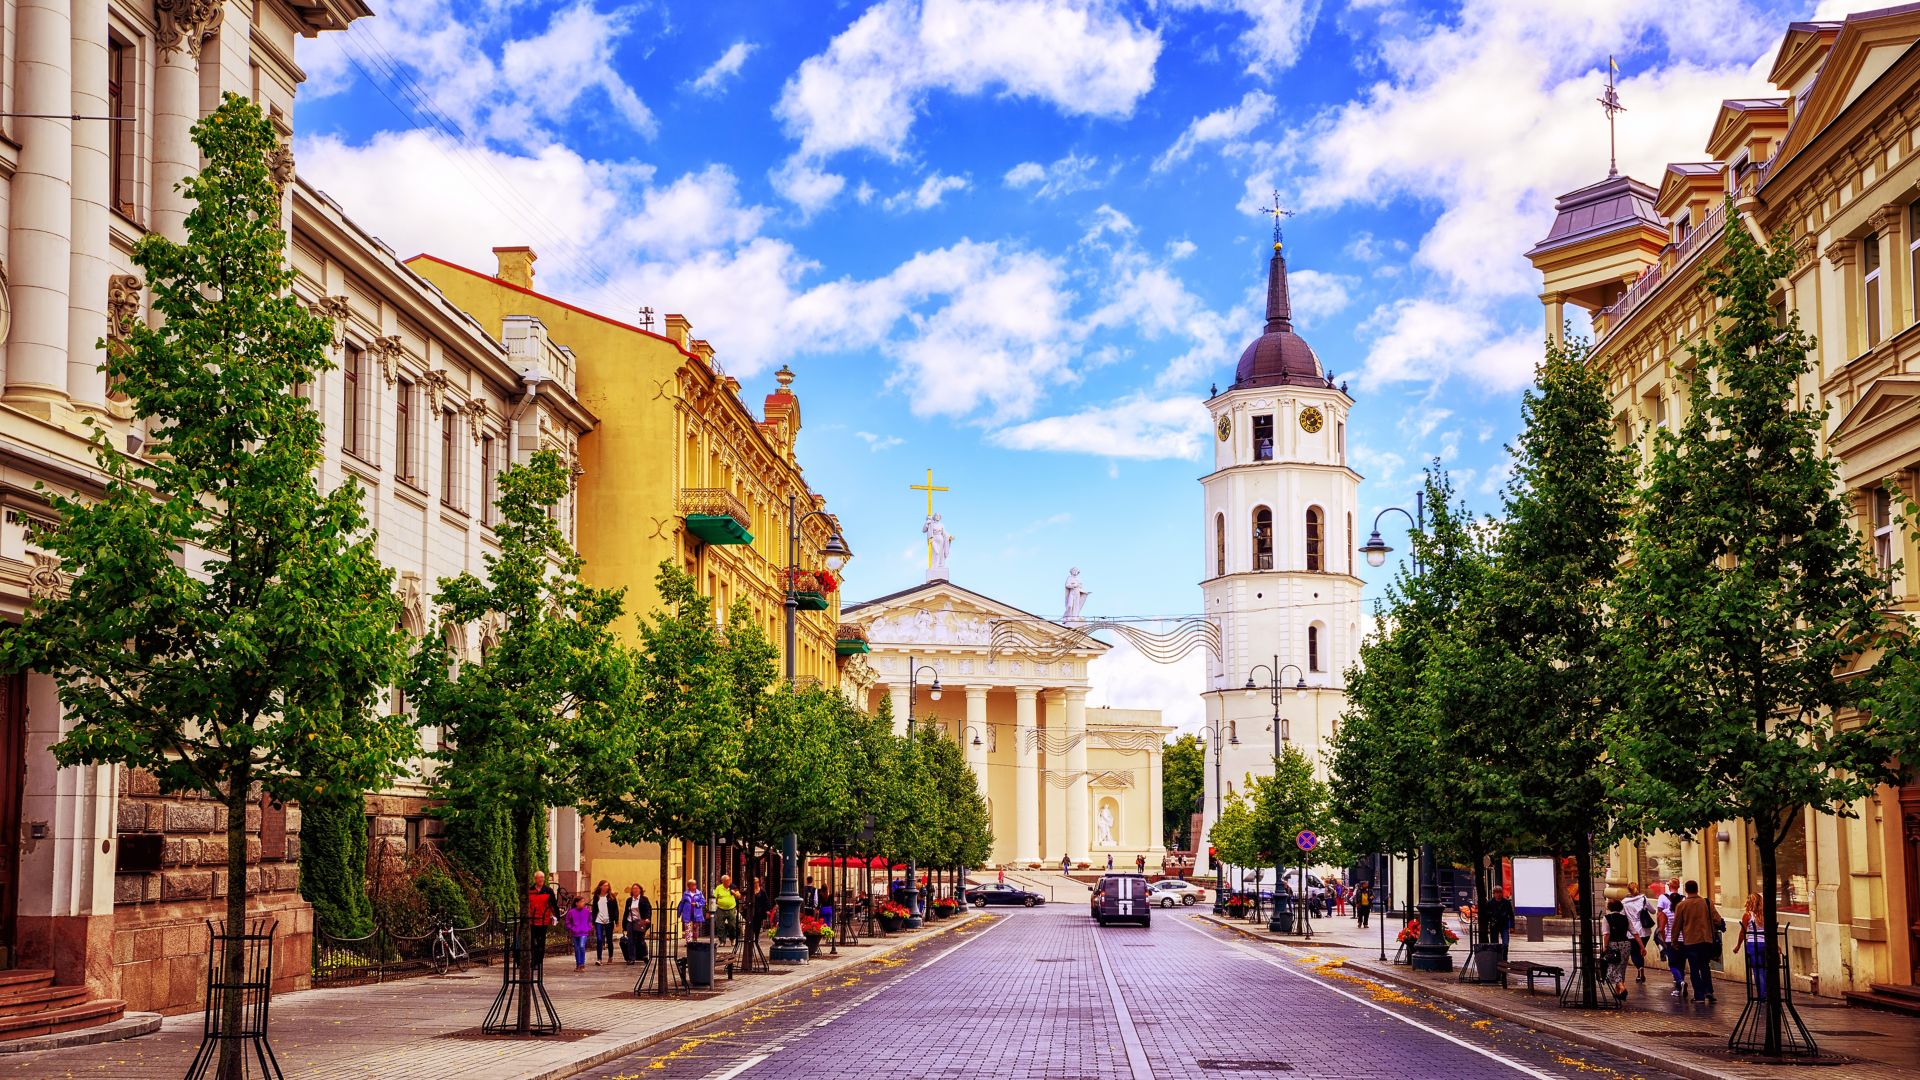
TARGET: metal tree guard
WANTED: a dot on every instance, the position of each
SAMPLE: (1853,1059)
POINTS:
(502,1015)
(227,1052)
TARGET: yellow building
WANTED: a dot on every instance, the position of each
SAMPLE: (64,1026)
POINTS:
(1832,155)
(679,470)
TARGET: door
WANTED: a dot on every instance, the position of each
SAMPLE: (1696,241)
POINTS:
(13,764)
(1910,841)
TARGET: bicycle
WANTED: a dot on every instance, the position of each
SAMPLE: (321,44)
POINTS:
(447,948)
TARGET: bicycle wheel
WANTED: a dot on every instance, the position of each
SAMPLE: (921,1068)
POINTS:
(440,958)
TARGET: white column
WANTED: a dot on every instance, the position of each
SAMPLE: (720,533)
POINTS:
(898,692)
(69,817)
(184,27)
(1076,766)
(976,728)
(87,276)
(1156,804)
(1027,778)
(40,244)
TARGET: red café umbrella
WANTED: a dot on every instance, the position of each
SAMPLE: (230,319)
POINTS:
(875,863)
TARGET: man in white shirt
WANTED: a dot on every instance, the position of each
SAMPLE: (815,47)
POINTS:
(1639,919)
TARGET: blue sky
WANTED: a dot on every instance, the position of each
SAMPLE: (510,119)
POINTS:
(1016,240)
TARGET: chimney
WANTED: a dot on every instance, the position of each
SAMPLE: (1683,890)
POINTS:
(678,330)
(516,265)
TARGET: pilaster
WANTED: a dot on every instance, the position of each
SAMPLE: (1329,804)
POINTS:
(1027,778)
(976,728)
(88,270)
(185,26)
(40,247)
(1074,700)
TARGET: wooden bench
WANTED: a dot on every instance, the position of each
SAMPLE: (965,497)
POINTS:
(1531,971)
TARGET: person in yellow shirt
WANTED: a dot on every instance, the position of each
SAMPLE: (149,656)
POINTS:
(727,908)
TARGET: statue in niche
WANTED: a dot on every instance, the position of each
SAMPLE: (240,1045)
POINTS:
(1103,826)
(1076,596)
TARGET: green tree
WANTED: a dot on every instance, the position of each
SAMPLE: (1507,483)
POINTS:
(1234,835)
(1184,778)
(257,668)
(675,771)
(1530,664)
(333,863)
(527,721)
(1749,617)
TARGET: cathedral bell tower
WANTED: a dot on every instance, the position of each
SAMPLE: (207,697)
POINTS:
(1277,537)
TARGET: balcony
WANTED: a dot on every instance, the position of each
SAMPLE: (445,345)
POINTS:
(1671,262)
(810,588)
(851,639)
(715,516)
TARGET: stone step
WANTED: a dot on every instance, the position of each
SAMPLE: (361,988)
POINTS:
(37,999)
(24,978)
(1904,1000)
(71,1018)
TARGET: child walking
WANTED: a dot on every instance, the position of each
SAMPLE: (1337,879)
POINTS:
(580,925)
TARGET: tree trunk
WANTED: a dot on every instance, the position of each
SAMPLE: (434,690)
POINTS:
(523,877)
(1776,1019)
(662,912)
(1583,904)
(239,787)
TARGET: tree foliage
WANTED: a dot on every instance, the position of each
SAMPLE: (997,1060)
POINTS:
(227,623)
(1183,780)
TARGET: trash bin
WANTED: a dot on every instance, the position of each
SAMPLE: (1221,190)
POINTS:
(1282,919)
(700,963)
(1485,963)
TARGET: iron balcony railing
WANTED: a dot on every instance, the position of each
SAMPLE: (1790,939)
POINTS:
(713,502)
(1672,260)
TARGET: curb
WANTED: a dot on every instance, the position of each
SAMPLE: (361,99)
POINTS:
(641,1042)
(132,1025)
(1374,970)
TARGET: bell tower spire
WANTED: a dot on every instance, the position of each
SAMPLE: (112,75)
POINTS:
(1279,308)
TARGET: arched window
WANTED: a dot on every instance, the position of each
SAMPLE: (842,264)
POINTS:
(1219,545)
(1313,647)
(1315,532)
(1262,538)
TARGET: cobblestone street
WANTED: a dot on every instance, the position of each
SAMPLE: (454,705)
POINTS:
(1046,995)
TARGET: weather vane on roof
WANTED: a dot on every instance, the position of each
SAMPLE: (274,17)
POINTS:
(1278,212)
(1610,103)
(646,318)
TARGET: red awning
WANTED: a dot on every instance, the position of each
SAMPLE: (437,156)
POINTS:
(875,863)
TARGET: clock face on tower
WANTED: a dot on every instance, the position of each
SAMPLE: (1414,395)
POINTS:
(1310,419)
(1223,427)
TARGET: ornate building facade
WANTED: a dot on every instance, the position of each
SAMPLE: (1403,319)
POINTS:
(1831,155)
(105,881)
(1278,548)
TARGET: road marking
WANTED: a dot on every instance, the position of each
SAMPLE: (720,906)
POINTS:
(742,1067)
(1129,1037)
(1516,1066)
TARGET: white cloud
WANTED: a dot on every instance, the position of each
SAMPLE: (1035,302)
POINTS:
(864,91)
(1065,176)
(549,73)
(1139,427)
(928,195)
(1180,249)
(807,186)
(1124,678)
(1318,294)
(1427,340)
(699,210)
(714,79)
(877,443)
(1227,127)
(1276,32)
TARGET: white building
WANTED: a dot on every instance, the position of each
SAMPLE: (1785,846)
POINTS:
(1278,574)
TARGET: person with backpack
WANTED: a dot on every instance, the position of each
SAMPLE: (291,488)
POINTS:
(692,911)
(1637,907)
(1672,944)
(1753,944)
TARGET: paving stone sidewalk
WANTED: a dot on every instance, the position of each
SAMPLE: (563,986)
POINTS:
(419,1028)
(1687,1038)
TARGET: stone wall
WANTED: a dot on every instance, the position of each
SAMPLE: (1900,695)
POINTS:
(160,916)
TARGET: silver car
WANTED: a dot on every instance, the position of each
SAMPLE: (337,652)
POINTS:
(1175,891)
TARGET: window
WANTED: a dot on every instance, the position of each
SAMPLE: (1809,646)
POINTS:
(1883,530)
(1313,648)
(1340,442)
(1659,409)
(1263,438)
(1795,886)
(415,833)
(1315,528)
(353,403)
(449,459)
(1262,538)
(1870,261)
(1913,255)
(406,441)
(1219,545)
(1349,542)
(120,132)
(489,465)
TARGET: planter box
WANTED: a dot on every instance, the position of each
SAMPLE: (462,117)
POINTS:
(811,601)
(851,646)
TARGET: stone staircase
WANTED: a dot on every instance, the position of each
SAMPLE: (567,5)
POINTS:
(1889,998)
(30,1004)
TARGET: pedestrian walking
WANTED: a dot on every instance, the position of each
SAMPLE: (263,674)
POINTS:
(1066,865)
(1753,945)
(579,927)
(1362,902)
(726,909)
(606,912)
(810,898)
(1638,908)
(636,917)
(1109,862)
(1616,945)
(1700,928)
(1339,891)
(1672,947)
(692,910)
(1140,864)
(1003,875)
(762,908)
(543,910)
(1496,917)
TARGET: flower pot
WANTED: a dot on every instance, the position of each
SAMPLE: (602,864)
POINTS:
(888,923)
(813,944)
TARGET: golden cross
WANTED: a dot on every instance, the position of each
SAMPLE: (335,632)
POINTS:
(929,488)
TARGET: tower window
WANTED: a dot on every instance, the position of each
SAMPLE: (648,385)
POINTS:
(1315,532)
(1340,442)
(1313,648)
(1263,438)
(1219,545)
(1262,538)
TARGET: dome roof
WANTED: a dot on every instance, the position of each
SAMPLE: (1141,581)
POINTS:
(1278,357)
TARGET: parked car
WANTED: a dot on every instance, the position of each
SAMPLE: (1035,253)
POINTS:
(1176,891)
(1122,897)
(995,892)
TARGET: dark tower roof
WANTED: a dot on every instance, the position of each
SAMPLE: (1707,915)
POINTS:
(1278,357)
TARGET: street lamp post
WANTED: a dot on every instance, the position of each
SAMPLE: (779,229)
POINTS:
(914,919)
(1212,731)
(1273,687)
(789,947)
(1430,952)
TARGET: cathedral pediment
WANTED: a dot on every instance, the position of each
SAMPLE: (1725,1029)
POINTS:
(944,614)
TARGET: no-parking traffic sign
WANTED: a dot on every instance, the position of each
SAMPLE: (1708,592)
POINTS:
(1307,840)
